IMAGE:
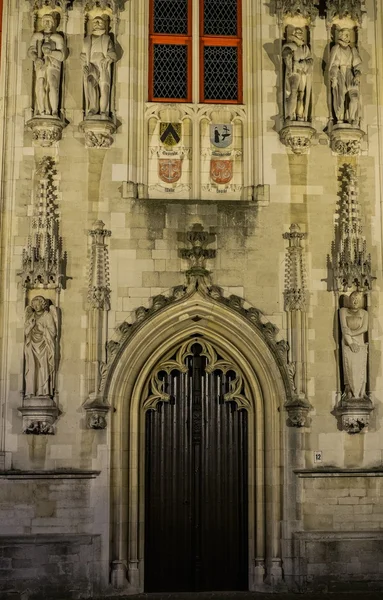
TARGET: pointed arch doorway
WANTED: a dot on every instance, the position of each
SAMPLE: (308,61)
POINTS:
(196,471)
(258,388)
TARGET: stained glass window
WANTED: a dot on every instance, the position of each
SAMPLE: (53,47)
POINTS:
(170,71)
(220,73)
(170,16)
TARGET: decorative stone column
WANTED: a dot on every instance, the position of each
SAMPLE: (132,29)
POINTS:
(43,277)
(343,19)
(295,306)
(296,20)
(48,52)
(99,305)
(351,270)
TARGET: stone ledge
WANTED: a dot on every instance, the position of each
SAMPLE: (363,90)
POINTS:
(338,472)
(64,474)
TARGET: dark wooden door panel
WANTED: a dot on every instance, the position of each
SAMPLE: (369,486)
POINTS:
(196,486)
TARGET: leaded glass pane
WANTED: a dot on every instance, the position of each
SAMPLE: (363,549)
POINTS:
(171,16)
(170,71)
(221,72)
(220,17)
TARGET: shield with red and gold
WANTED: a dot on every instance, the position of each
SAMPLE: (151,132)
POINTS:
(221,171)
(169,169)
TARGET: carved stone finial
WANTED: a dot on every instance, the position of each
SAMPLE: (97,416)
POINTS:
(99,290)
(297,8)
(197,255)
(43,260)
(343,9)
(350,262)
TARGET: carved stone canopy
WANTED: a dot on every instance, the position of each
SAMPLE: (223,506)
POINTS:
(52,4)
(343,9)
(297,8)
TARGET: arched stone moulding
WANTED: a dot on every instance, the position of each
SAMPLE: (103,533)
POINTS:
(267,390)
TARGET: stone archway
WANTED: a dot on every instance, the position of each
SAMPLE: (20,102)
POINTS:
(126,389)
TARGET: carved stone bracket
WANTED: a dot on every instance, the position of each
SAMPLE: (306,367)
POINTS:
(297,137)
(39,414)
(298,409)
(46,130)
(346,141)
(98,132)
(96,411)
(354,415)
(297,8)
(343,9)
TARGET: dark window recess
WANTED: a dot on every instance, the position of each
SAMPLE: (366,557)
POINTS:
(171,17)
(221,73)
(170,71)
(220,17)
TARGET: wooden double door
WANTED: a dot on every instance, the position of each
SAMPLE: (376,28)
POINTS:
(196,490)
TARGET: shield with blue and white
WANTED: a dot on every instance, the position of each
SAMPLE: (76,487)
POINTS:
(221,136)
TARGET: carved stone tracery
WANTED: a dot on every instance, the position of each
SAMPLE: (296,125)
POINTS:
(297,8)
(343,9)
(176,361)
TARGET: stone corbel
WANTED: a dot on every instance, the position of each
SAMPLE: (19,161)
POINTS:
(98,133)
(346,141)
(46,130)
(295,306)
(39,415)
(298,137)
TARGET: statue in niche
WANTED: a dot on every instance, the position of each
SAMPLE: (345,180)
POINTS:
(344,73)
(48,51)
(354,326)
(298,63)
(40,332)
(98,53)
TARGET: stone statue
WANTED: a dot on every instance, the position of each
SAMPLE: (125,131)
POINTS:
(298,63)
(344,73)
(40,347)
(97,55)
(47,50)
(354,325)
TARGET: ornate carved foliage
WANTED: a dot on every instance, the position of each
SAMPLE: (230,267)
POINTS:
(176,361)
(99,290)
(344,8)
(43,260)
(295,273)
(52,4)
(198,254)
(297,8)
(350,262)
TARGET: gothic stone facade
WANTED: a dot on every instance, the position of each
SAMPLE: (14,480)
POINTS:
(121,241)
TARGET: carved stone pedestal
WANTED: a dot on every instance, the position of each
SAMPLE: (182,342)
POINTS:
(46,130)
(345,139)
(354,414)
(297,136)
(96,411)
(298,409)
(39,414)
(98,132)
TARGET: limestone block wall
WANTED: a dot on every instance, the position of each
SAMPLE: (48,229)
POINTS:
(145,261)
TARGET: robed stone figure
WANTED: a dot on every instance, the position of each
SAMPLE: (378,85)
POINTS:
(354,326)
(40,332)
(47,49)
(98,54)
(344,73)
(298,63)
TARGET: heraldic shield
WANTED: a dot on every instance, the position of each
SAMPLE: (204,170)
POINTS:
(221,171)
(169,169)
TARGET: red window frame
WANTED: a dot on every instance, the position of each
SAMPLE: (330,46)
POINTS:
(217,40)
(172,39)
